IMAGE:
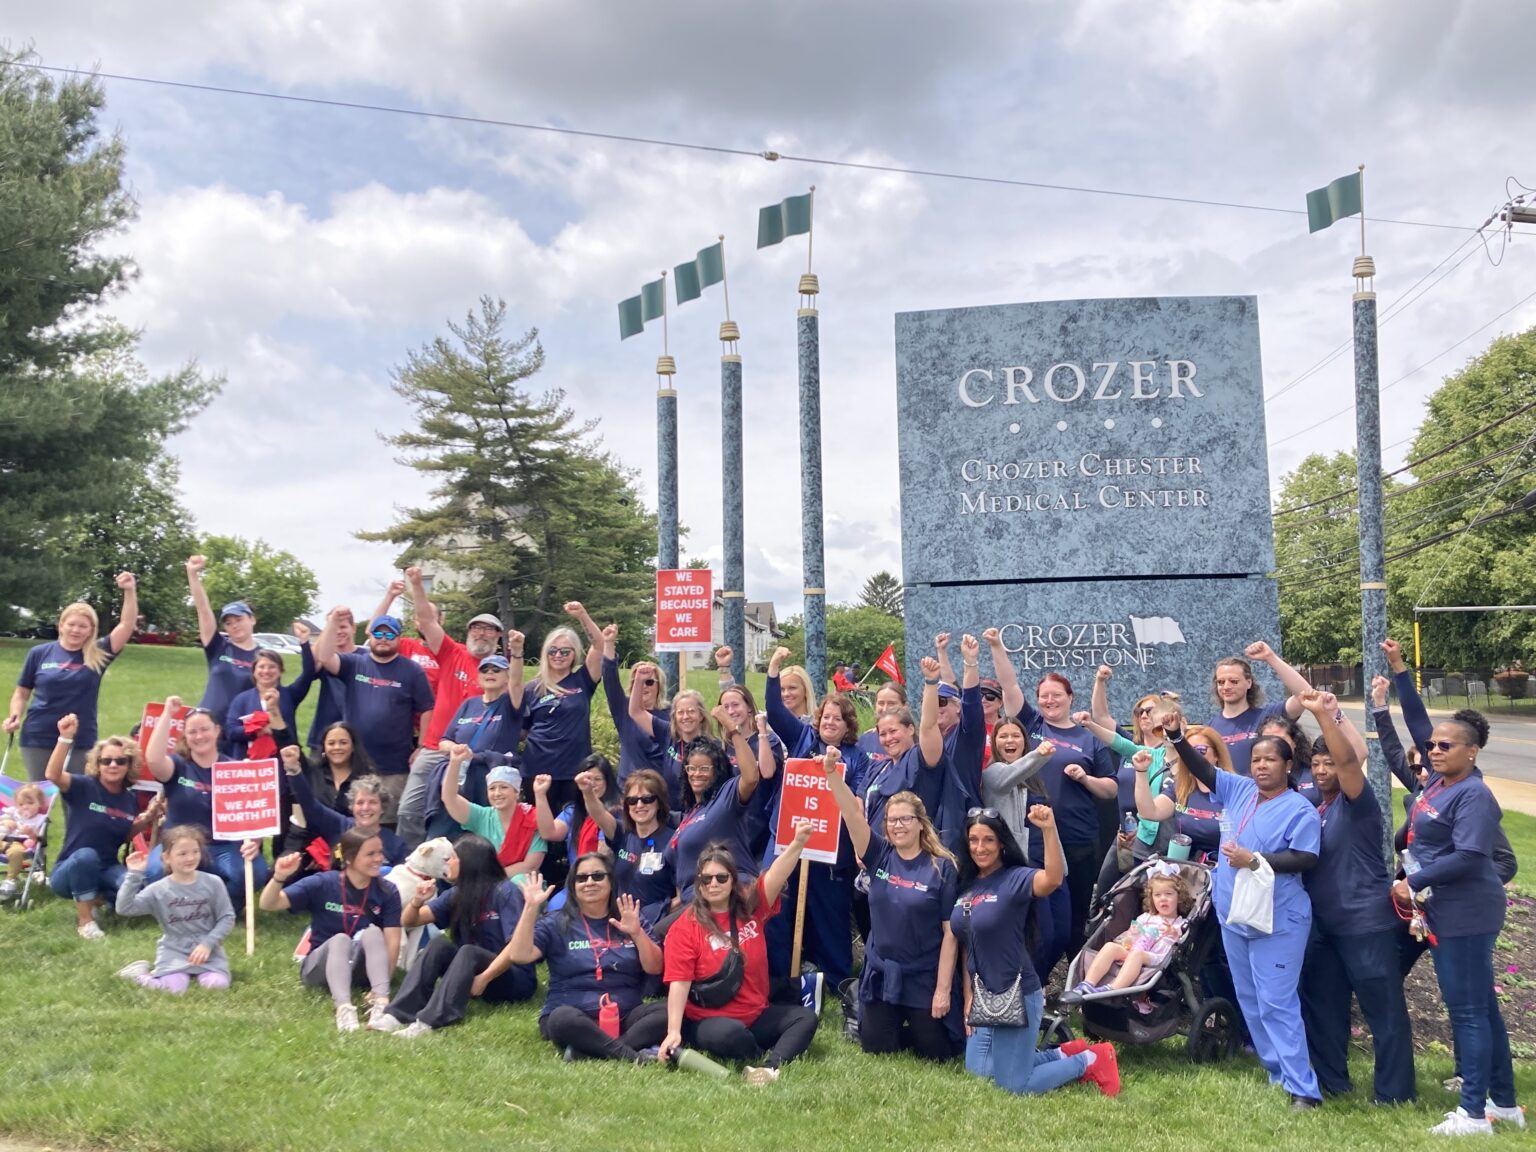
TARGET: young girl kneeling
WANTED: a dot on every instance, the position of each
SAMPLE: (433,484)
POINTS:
(192,909)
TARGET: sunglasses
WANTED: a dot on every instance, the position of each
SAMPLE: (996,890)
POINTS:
(1203,749)
(638,801)
(1145,710)
(117,761)
(385,634)
(1444,745)
(978,813)
(900,821)
(562,651)
(591,877)
(714,878)
(199,712)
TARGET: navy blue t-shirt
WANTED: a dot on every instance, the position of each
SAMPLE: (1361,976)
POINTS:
(330,825)
(643,868)
(636,749)
(96,818)
(491,730)
(1239,732)
(1350,888)
(382,702)
(289,697)
(330,707)
(335,906)
(883,778)
(61,683)
(1307,786)
(998,908)
(574,949)
(909,903)
(189,794)
(558,724)
(1077,812)
(725,819)
(1453,831)
(1199,818)
(494,926)
(229,673)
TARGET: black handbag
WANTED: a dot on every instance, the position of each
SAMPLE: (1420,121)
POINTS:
(993,1009)
(721,988)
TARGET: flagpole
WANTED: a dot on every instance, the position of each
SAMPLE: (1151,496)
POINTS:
(1373,565)
(666,470)
(812,547)
(732,488)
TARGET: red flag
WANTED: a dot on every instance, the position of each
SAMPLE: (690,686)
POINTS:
(887,664)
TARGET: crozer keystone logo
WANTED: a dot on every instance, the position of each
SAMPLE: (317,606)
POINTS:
(1044,647)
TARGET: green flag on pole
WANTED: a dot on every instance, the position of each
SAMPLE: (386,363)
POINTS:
(631,321)
(707,269)
(792,217)
(1331,204)
(653,300)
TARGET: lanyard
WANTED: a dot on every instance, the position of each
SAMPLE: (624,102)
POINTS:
(1257,800)
(597,953)
(348,929)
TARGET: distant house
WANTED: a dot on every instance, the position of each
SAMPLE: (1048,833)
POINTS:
(762,631)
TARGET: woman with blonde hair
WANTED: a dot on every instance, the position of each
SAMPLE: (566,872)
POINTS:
(63,677)
(1181,803)
(557,708)
(635,713)
(101,813)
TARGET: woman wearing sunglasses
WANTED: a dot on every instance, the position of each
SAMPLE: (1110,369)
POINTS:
(1451,875)
(716,809)
(635,713)
(638,833)
(1181,803)
(717,968)
(188,778)
(557,708)
(905,993)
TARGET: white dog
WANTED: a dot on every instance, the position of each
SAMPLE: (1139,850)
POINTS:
(428,862)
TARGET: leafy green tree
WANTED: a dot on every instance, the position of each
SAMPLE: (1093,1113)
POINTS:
(81,422)
(1312,546)
(882,592)
(528,513)
(277,586)
(855,634)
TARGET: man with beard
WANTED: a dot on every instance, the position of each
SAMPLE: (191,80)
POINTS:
(384,698)
(458,677)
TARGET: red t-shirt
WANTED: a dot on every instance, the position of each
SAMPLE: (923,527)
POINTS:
(694,953)
(454,675)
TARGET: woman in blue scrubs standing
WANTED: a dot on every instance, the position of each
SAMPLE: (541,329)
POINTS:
(1272,822)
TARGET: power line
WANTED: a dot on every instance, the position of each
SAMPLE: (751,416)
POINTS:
(693,146)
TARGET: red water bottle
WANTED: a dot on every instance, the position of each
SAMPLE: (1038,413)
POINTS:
(608,1016)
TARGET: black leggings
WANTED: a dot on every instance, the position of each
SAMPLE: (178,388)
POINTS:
(436,989)
(880,1031)
(1082,870)
(570,1027)
(784,1031)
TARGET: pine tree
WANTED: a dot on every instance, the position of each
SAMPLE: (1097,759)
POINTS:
(882,591)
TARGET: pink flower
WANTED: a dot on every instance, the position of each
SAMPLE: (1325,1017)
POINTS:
(1512,969)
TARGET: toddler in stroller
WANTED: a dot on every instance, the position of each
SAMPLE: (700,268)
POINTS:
(1149,941)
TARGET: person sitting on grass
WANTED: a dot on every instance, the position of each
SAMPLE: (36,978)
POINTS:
(354,923)
(507,823)
(600,954)
(1149,941)
(480,911)
(192,909)
(717,968)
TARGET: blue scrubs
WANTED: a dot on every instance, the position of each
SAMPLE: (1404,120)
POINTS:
(1266,970)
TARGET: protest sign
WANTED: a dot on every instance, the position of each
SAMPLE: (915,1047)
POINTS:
(246,800)
(805,794)
(685,602)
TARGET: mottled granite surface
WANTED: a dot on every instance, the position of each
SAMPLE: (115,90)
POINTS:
(1152,461)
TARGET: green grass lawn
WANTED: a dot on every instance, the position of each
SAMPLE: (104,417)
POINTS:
(93,1060)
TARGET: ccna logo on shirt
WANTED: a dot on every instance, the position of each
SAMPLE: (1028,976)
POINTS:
(226,658)
(61,666)
(115,813)
(899,881)
(376,681)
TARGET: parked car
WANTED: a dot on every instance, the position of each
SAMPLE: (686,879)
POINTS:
(278,642)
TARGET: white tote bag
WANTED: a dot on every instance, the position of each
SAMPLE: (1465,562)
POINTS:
(1253,899)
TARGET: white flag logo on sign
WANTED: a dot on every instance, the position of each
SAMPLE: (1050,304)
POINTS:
(1157,630)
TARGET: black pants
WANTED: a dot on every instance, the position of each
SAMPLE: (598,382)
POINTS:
(783,1031)
(569,1027)
(436,989)
(1366,964)
(881,1031)
(1082,870)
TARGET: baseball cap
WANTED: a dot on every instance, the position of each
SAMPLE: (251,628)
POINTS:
(990,687)
(499,663)
(504,774)
(237,608)
(485,618)
(948,692)
(392,622)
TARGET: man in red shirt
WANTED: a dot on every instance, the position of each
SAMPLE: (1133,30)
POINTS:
(454,671)
(840,679)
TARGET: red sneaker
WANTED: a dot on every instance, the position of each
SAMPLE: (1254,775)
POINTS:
(1073,1047)
(1105,1070)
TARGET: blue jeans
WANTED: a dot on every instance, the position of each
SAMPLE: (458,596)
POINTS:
(1367,965)
(1464,967)
(83,877)
(1010,1058)
(223,860)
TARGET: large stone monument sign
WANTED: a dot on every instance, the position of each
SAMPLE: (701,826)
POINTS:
(1089,476)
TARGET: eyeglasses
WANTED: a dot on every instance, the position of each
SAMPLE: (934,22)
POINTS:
(638,801)
(118,761)
(1444,745)
(714,878)
(591,877)
(562,651)
(385,634)
(900,821)
(979,813)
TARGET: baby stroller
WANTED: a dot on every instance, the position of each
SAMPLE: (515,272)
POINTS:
(37,863)
(1172,987)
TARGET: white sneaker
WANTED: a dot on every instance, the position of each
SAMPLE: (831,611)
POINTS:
(1514,1115)
(7,889)
(413,1030)
(346,1018)
(381,1021)
(1458,1123)
(135,970)
(90,930)
(757,1077)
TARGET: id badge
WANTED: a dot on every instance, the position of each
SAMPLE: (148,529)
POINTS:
(650,863)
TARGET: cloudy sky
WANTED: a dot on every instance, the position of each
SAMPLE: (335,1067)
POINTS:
(302,250)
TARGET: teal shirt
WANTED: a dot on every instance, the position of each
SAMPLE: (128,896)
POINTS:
(1146,830)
